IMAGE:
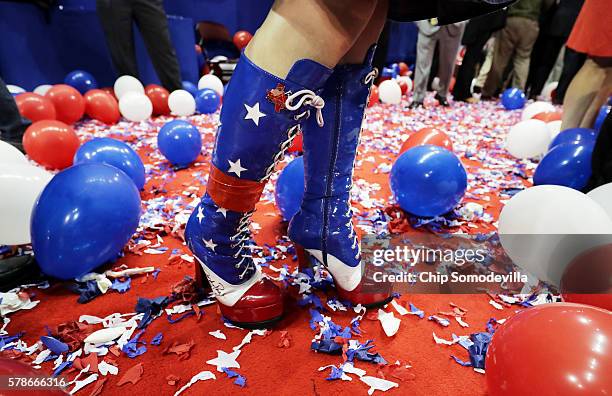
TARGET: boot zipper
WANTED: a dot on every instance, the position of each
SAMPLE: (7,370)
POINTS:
(330,172)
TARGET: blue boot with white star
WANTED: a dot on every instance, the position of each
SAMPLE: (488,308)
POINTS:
(323,226)
(261,115)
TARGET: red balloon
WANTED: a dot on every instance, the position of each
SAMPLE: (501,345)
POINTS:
(373,96)
(242,38)
(548,116)
(588,278)
(15,368)
(68,102)
(297,146)
(552,349)
(102,106)
(403,86)
(159,98)
(35,107)
(403,68)
(427,136)
(110,91)
(51,143)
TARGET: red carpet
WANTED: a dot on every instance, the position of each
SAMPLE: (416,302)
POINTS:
(477,132)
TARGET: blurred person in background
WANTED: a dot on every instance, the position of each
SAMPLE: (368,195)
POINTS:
(117,17)
(515,43)
(592,85)
(556,27)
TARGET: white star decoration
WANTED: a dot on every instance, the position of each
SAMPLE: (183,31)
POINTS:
(223,211)
(210,244)
(227,360)
(236,167)
(200,214)
(253,113)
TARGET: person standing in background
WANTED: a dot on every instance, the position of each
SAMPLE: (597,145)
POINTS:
(556,28)
(515,42)
(12,125)
(477,33)
(591,87)
(117,17)
(448,38)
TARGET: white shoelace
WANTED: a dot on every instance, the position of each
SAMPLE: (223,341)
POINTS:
(306,97)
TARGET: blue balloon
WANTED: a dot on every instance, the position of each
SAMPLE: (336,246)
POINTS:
(428,180)
(513,98)
(190,87)
(574,135)
(290,188)
(180,142)
(81,80)
(113,152)
(207,101)
(83,219)
(601,116)
(566,165)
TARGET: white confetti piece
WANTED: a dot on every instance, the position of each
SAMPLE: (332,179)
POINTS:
(400,310)
(350,368)
(389,322)
(106,368)
(218,334)
(105,335)
(201,376)
(439,340)
(10,302)
(227,360)
(461,322)
(496,305)
(378,384)
(78,385)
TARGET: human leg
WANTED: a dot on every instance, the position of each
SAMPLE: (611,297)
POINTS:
(426,46)
(116,19)
(526,35)
(264,107)
(581,93)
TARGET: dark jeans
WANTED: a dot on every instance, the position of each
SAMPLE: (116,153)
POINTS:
(465,75)
(543,58)
(12,125)
(117,16)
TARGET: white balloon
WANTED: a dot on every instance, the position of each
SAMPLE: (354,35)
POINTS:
(408,81)
(181,103)
(20,186)
(548,89)
(603,196)
(554,127)
(544,227)
(211,81)
(15,89)
(125,84)
(135,106)
(390,92)
(528,139)
(10,155)
(42,89)
(536,108)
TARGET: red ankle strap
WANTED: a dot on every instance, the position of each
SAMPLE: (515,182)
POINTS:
(233,193)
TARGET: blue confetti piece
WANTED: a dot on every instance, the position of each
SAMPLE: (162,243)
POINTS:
(54,345)
(418,312)
(61,368)
(87,290)
(181,317)
(157,339)
(120,286)
(132,347)
(461,362)
(240,380)
(156,273)
(335,374)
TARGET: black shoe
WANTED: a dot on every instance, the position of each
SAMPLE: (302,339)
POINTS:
(415,104)
(18,270)
(443,102)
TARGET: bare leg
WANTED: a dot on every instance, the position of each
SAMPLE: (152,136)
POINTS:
(602,96)
(321,30)
(369,35)
(581,94)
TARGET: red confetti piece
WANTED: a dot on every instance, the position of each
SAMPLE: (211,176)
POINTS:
(97,389)
(182,350)
(172,379)
(285,340)
(133,375)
